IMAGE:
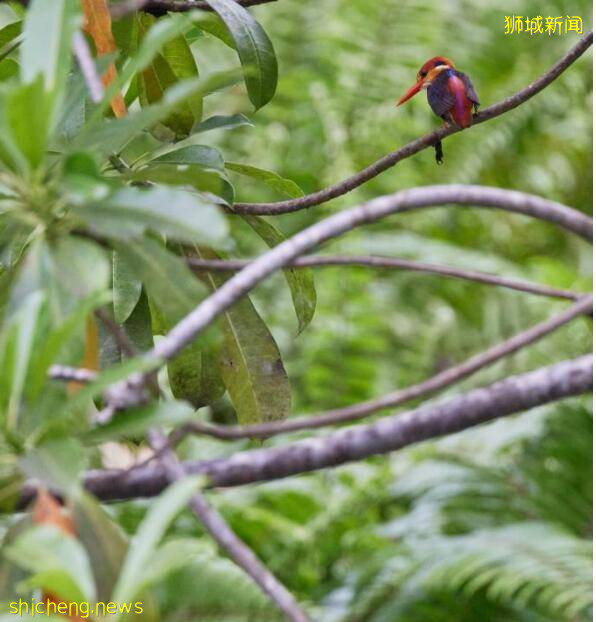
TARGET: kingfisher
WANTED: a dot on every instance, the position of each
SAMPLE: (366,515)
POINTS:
(450,93)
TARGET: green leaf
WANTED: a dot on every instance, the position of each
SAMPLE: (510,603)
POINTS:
(300,281)
(176,213)
(254,48)
(270,178)
(250,362)
(174,291)
(222,122)
(106,546)
(17,342)
(194,374)
(8,69)
(127,288)
(103,540)
(169,282)
(47,36)
(213,24)
(137,421)
(149,534)
(153,41)
(202,179)
(28,112)
(174,63)
(207,157)
(80,267)
(10,32)
(168,558)
(111,135)
(58,463)
(58,562)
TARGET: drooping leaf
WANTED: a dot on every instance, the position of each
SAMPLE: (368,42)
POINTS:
(255,50)
(127,288)
(300,281)
(250,362)
(174,62)
(179,214)
(202,155)
(174,292)
(169,283)
(148,536)
(270,178)
(194,374)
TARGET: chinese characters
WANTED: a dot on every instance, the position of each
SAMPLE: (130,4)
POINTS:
(543,25)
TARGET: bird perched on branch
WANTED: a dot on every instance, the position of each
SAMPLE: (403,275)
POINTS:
(450,94)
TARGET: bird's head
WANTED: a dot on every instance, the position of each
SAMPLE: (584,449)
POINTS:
(428,72)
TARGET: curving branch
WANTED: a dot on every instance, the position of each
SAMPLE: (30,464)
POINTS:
(429,140)
(241,283)
(512,395)
(436,383)
(221,532)
(376,261)
(161,7)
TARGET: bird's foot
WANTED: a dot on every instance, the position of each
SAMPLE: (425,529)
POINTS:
(439,152)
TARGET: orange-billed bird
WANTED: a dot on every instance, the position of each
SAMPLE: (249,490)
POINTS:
(450,94)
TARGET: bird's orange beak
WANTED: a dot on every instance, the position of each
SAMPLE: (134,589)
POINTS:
(411,92)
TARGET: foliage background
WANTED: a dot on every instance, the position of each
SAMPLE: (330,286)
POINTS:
(358,541)
(493,524)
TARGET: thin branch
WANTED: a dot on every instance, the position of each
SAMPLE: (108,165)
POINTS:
(71,374)
(429,140)
(241,283)
(88,68)
(376,261)
(436,383)
(221,532)
(512,395)
(161,7)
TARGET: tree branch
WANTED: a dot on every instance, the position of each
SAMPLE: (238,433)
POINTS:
(221,532)
(376,261)
(436,383)
(429,140)
(161,7)
(512,395)
(241,283)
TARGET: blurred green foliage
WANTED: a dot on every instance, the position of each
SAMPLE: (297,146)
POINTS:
(492,524)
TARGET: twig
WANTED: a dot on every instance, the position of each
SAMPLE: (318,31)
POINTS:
(242,282)
(161,7)
(513,395)
(375,261)
(71,374)
(438,382)
(429,140)
(221,532)
(87,65)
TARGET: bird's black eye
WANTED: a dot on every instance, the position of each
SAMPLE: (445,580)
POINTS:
(423,74)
